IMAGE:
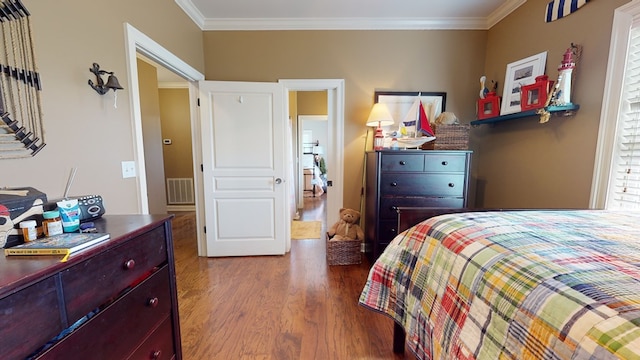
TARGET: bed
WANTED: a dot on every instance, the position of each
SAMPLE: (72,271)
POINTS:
(514,285)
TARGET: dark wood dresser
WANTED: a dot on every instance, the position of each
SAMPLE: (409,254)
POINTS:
(410,178)
(116,300)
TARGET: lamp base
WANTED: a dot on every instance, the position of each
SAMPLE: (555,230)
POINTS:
(378,139)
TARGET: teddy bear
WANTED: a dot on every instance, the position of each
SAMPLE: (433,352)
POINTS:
(347,227)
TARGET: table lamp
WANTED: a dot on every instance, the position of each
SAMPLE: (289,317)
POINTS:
(379,117)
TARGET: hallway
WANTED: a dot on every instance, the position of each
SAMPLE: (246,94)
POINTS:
(315,210)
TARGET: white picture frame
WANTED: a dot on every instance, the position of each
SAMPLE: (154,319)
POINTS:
(399,103)
(521,72)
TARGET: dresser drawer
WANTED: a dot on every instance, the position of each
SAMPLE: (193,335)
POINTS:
(422,185)
(93,282)
(402,162)
(445,163)
(119,329)
(388,231)
(37,309)
(389,205)
(158,346)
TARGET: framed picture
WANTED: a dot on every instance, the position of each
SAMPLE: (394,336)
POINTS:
(522,72)
(399,103)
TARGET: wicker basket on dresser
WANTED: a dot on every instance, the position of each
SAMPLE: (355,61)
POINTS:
(410,178)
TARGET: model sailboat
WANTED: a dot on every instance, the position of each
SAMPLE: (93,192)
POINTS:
(415,127)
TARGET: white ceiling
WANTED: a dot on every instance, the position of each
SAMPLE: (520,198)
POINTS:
(346,14)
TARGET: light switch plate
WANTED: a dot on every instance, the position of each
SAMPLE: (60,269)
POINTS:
(128,169)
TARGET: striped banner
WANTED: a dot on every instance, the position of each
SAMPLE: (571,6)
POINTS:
(558,9)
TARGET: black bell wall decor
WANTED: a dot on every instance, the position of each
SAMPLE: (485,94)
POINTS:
(100,86)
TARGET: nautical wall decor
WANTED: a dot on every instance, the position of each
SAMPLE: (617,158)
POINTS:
(557,9)
(21,130)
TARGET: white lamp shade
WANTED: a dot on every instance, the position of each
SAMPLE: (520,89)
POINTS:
(380,115)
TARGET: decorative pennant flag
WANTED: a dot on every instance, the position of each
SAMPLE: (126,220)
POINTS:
(423,125)
(557,9)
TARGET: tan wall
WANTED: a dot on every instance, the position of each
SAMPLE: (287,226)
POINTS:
(312,103)
(522,163)
(152,132)
(82,128)
(176,125)
(450,61)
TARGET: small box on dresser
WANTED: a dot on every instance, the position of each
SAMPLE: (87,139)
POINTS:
(410,178)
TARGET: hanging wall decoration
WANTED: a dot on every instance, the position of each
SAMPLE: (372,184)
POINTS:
(21,133)
(557,9)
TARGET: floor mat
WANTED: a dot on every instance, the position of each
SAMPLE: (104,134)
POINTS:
(305,230)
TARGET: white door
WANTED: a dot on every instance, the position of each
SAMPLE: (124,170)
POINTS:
(244,168)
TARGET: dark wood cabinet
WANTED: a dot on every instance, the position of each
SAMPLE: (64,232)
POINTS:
(410,178)
(116,300)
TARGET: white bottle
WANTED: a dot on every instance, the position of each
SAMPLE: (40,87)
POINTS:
(29,232)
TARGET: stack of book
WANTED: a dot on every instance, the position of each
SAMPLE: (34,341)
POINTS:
(63,244)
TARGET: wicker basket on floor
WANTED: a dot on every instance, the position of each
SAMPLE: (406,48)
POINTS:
(343,252)
(449,137)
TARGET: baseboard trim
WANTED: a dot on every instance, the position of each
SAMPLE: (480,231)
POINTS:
(181,208)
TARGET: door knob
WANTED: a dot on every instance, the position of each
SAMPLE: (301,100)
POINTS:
(278,181)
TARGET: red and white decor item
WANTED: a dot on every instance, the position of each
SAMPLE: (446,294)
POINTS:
(534,96)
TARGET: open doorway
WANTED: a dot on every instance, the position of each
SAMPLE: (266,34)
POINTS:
(167,138)
(137,43)
(334,150)
(312,169)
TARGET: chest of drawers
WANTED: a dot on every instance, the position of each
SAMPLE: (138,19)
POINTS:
(410,178)
(116,300)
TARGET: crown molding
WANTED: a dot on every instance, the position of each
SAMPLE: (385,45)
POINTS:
(503,11)
(345,24)
(192,11)
(258,24)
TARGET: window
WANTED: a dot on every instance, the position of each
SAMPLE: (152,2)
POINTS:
(616,180)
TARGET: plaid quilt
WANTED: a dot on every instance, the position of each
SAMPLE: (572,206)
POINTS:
(514,285)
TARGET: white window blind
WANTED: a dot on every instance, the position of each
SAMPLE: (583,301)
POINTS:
(624,191)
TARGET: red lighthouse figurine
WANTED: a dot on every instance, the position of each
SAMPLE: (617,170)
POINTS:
(563,95)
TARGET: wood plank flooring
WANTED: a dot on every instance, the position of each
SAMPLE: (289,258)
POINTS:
(276,307)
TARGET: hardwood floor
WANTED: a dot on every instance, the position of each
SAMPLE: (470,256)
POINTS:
(275,307)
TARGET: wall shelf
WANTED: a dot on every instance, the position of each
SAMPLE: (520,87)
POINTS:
(561,110)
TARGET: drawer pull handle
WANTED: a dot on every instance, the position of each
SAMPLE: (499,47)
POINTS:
(156,354)
(394,184)
(129,264)
(452,185)
(445,163)
(393,231)
(402,162)
(153,302)
(394,208)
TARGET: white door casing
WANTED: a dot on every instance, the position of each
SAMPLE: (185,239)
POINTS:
(244,168)
(335,130)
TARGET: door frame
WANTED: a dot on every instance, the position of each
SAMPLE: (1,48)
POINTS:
(138,42)
(335,132)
